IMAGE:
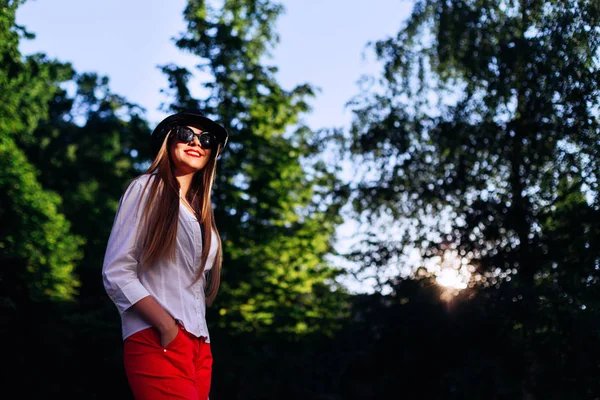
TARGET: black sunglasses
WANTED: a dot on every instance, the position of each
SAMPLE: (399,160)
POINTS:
(186,135)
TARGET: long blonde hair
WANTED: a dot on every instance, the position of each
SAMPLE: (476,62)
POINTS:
(161,214)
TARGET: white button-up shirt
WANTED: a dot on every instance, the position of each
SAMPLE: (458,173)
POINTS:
(126,281)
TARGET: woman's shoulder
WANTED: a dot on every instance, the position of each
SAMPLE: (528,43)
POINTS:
(140,184)
(143,179)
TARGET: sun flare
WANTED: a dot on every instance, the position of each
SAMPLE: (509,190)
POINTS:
(451,278)
(451,271)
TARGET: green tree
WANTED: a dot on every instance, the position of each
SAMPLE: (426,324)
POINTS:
(482,133)
(88,149)
(38,249)
(277,203)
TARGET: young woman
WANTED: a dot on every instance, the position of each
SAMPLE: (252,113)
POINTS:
(163,261)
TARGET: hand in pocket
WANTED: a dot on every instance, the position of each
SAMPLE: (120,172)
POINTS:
(166,337)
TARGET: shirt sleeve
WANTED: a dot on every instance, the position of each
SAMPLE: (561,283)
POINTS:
(119,270)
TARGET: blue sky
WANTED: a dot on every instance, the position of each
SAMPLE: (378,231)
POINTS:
(322,42)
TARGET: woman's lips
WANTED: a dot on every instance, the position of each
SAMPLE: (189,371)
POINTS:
(193,153)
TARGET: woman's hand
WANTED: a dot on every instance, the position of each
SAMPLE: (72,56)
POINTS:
(159,318)
(169,334)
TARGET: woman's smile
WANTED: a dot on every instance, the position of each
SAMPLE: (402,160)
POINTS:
(193,153)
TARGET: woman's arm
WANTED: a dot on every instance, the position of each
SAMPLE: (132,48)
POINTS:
(119,270)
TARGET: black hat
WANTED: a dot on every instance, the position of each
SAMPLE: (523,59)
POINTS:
(187,118)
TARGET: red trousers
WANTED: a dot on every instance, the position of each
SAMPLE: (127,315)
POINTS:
(182,370)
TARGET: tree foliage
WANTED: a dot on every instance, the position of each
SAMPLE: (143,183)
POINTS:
(277,204)
(519,137)
(482,135)
(88,149)
(38,250)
